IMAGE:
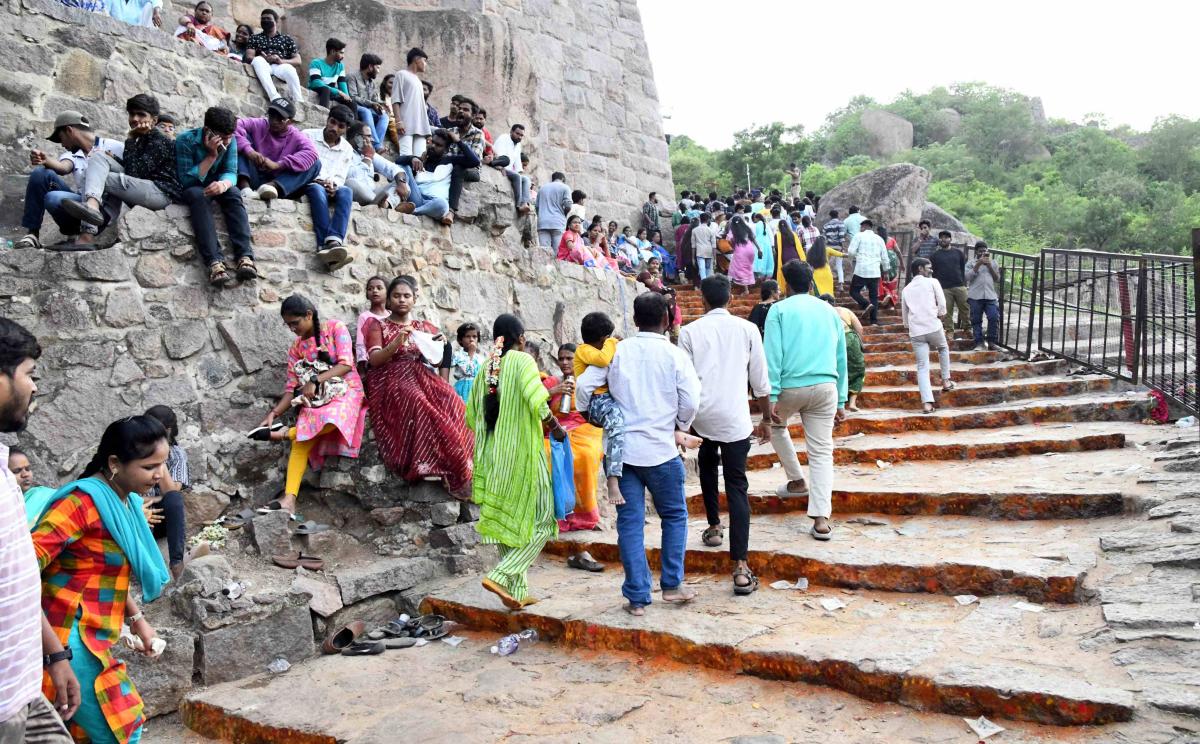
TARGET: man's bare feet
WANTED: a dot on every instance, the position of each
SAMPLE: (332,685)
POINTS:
(687,441)
(614,492)
(678,595)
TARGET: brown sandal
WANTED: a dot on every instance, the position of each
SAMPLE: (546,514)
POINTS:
(218,275)
(748,588)
(246,270)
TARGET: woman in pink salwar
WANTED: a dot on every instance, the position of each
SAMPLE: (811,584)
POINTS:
(325,389)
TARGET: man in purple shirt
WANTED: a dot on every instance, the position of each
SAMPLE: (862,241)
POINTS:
(27,642)
(273,156)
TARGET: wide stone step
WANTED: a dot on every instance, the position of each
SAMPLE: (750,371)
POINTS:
(875,357)
(907,375)
(986,393)
(925,652)
(1045,561)
(961,344)
(969,444)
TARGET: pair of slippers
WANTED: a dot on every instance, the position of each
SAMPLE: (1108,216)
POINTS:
(428,627)
(300,560)
(346,640)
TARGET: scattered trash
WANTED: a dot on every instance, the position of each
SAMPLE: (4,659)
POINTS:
(1186,421)
(800,585)
(882,465)
(234,589)
(1027,607)
(982,727)
(965,599)
(453,640)
(157,646)
(510,643)
(279,666)
(829,604)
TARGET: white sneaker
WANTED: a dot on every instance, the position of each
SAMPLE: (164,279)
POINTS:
(979,347)
(247,193)
(267,192)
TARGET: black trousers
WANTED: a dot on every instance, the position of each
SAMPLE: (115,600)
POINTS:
(731,457)
(457,177)
(173,526)
(857,284)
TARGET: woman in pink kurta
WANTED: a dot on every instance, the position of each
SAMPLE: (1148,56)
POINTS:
(330,428)
(741,261)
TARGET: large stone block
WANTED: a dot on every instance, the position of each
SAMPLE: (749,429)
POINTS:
(242,649)
(163,681)
(390,575)
(80,74)
(255,339)
(271,534)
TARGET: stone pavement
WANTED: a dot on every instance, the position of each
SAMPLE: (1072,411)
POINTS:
(1071,526)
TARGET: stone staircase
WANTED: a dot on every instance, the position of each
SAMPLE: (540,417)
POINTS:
(981,498)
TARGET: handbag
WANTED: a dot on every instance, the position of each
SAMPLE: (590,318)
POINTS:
(562,477)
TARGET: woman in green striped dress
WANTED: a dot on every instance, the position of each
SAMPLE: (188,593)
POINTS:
(509,414)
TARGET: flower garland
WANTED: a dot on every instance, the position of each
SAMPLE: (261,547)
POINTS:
(493,368)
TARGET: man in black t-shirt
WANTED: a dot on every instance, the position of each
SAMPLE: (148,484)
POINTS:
(272,54)
(146,176)
(949,268)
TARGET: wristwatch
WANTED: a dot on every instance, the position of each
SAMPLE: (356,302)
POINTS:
(54,658)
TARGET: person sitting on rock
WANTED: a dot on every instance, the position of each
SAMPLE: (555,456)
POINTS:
(469,137)
(199,28)
(508,150)
(146,177)
(47,190)
(239,46)
(364,92)
(429,178)
(272,54)
(335,156)
(361,178)
(327,76)
(273,156)
(208,170)
(166,124)
(144,13)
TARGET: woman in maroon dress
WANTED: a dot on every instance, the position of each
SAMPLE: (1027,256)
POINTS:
(419,421)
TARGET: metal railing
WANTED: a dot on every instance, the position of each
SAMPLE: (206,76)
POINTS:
(1018,293)
(1168,311)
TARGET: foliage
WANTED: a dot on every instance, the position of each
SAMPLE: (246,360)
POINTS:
(1010,176)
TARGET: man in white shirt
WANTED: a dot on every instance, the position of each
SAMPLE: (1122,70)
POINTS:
(657,390)
(870,256)
(727,353)
(408,106)
(336,156)
(25,635)
(704,244)
(508,150)
(923,303)
(48,188)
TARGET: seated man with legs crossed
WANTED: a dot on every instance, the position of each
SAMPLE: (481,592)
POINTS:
(207,158)
(273,156)
(147,177)
(47,188)
(429,187)
(329,188)
(392,190)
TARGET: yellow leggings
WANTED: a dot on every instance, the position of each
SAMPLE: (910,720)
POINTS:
(298,458)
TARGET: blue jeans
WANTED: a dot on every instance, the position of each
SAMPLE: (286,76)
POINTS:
(432,206)
(378,122)
(704,266)
(318,203)
(45,193)
(665,483)
(290,183)
(980,308)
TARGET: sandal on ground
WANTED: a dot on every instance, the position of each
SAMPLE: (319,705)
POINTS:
(507,599)
(948,386)
(263,433)
(239,520)
(713,536)
(363,648)
(585,563)
(246,270)
(395,643)
(300,560)
(29,241)
(342,637)
(430,627)
(635,610)
(310,528)
(784,492)
(683,595)
(71,246)
(927,408)
(218,274)
(822,536)
(744,589)
(394,629)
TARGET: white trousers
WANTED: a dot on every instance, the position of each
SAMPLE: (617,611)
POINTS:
(264,70)
(817,405)
(412,145)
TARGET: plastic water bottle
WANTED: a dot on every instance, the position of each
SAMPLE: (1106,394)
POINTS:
(509,644)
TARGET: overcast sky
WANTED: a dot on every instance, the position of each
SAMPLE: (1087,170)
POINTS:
(724,66)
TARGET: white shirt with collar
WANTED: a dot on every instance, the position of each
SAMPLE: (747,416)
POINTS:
(727,353)
(336,160)
(656,387)
(504,145)
(922,305)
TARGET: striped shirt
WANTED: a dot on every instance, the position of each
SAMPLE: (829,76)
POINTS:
(20,601)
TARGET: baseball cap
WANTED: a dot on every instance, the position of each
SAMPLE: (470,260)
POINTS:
(68,119)
(283,107)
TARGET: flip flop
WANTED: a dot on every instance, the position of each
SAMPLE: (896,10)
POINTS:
(394,643)
(431,627)
(585,564)
(239,520)
(363,648)
(342,637)
(310,528)
(286,561)
(72,247)
(394,629)
(263,433)
(822,536)
(311,562)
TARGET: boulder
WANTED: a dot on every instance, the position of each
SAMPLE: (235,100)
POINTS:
(887,133)
(271,533)
(165,680)
(940,219)
(324,598)
(893,195)
(380,577)
(202,505)
(244,648)
(944,124)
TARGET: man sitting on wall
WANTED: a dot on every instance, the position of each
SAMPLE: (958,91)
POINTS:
(361,178)
(508,146)
(273,156)
(47,188)
(329,188)
(146,177)
(272,54)
(364,92)
(327,76)
(429,185)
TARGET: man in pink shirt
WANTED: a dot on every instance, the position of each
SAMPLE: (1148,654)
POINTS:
(273,156)
(25,715)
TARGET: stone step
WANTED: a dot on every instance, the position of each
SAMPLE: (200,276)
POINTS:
(986,393)
(962,344)
(876,357)
(893,376)
(1044,561)
(924,652)
(968,444)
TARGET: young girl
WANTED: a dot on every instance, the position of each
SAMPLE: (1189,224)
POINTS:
(466,362)
(377,297)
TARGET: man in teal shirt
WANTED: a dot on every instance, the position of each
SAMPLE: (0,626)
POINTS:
(328,76)
(806,366)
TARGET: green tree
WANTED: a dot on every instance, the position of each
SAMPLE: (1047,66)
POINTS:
(769,151)
(694,167)
(1172,152)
